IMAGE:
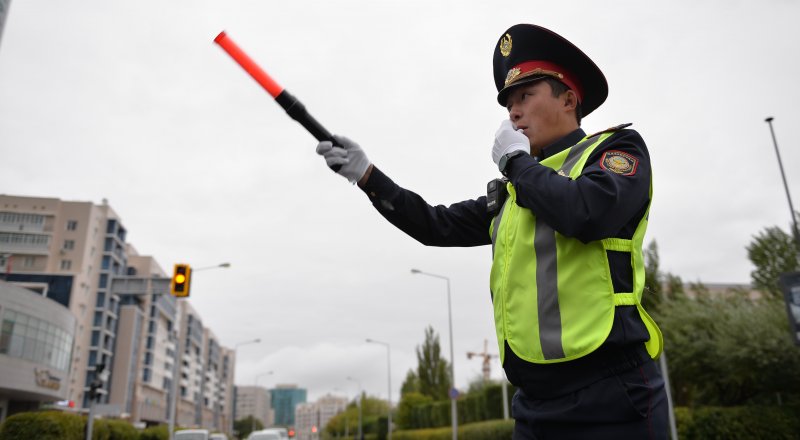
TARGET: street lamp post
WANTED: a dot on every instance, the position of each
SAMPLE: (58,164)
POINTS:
(255,385)
(173,405)
(795,232)
(452,392)
(360,432)
(389,368)
(95,390)
(233,404)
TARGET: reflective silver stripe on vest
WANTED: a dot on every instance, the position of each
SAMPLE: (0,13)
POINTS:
(497,219)
(544,244)
(575,154)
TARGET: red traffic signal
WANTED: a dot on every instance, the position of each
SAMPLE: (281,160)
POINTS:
(181,280)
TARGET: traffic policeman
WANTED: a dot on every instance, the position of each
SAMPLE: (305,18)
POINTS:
(566,226)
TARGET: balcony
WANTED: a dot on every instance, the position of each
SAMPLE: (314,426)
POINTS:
(22,243)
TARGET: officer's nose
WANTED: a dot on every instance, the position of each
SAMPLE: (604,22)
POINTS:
(514,114)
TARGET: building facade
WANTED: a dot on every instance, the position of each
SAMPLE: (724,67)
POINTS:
(284,400)
(254,401)
(35,349)
(311,418)
(76,255)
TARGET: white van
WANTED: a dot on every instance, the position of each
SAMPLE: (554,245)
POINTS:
(192,434)
(269,434)
(218,436)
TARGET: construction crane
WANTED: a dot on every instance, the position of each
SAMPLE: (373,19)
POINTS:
(486,359)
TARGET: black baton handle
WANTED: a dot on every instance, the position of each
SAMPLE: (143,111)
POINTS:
(297,111)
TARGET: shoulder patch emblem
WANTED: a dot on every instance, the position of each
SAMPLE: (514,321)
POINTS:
(619,162)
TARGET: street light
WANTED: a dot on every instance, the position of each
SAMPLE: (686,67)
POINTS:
(223,265)
(233,404)
(389,368)
(795,232)
(360,435)
(453,409)
(255,385)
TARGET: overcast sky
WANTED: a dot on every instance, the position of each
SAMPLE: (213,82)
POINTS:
(131,101)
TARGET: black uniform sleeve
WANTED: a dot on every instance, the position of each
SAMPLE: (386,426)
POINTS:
(601,202)
(460,224)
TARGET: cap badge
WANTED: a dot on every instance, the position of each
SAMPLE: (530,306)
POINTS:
(512,74)
(505,45)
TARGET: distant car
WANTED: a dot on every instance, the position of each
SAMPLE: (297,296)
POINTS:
(269,434)
(192,434)
(218,436)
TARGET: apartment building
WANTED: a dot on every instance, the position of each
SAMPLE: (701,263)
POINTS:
(311,418)
(76,254)
(254,401)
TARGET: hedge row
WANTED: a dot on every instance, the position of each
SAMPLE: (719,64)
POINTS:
(486,404)
(489,430)
(738,423)
(703,423)
(54,425)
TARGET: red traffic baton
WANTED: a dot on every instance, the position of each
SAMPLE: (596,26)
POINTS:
(292,105)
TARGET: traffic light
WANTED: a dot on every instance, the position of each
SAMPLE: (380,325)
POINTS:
(97,382)
(181,280)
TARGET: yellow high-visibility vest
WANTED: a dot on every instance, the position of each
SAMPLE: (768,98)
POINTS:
(552,295)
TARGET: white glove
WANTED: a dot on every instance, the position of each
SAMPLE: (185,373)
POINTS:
(349,156)
(506,140)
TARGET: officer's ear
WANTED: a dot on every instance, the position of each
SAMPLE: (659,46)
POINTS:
(570,100)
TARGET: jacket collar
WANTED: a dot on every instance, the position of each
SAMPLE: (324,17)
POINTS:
(562,144)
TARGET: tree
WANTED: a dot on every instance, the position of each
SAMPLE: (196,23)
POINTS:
(432,368)
(405,409)
(371,410)
(659,287)
(246,425)
(729,349)
(410,384)
(773,252)
(653,279)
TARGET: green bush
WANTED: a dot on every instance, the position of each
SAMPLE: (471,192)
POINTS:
(160,432)
(489,430)
(46,425)
(56,425)
(31,425)
(735,423)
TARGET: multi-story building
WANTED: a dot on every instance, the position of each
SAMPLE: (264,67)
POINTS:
(73,249)
(284,400)
(35,346)
(311,418)
(254,401)
(75,254)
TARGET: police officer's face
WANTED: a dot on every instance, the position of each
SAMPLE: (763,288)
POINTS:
(543,118)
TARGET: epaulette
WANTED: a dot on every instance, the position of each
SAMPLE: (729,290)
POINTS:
(612,129)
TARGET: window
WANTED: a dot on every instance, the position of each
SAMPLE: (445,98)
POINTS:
(146,375)
(69,245)
(101,299)
(28,261)
(66,264)
(72,225)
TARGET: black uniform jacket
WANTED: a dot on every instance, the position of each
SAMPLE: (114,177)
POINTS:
(607,200)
